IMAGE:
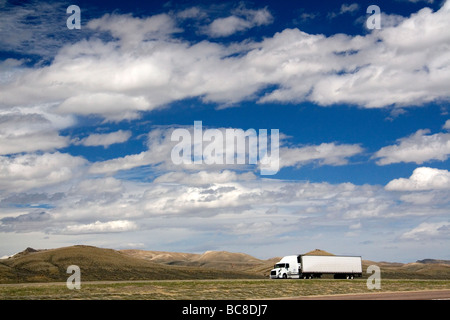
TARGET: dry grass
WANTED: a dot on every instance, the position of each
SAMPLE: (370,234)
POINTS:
(209,289)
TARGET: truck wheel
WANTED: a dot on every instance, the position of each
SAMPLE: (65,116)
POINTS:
(284,276)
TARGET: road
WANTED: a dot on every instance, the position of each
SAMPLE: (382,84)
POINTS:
(405,295)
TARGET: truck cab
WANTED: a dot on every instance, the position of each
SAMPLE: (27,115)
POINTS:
(286,268)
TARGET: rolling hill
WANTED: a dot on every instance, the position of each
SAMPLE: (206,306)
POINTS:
(96,264)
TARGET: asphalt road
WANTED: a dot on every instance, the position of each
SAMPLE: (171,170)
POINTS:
(405,295)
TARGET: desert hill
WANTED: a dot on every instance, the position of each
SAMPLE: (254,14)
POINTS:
(222,260)
(98,264)
(217,260)
(318,252)
(433,261)
(47,265)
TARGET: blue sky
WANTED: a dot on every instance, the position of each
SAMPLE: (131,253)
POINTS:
(86,117)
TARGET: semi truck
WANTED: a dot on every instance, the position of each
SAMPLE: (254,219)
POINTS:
(312,266)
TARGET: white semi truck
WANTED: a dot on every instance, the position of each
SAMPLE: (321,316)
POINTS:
(311,266)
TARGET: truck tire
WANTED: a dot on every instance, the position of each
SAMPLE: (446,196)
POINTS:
(284,276)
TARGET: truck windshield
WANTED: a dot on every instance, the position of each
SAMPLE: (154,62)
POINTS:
(281,265)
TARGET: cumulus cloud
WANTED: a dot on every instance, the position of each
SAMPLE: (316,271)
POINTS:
(115,107)
(371,71)
(428,230)
(101,227)
(132,30)
(345,8)
(129,65)
(161,146)
(420,147)
(28,133)
(104,139)
(184,206)
(233,205)
(323,154)
(147,68)
(191,13)
(28,171)
(423,178)
(36,220)
(243,19)
(447,125)
(32,129)
(94,187)
(204,177)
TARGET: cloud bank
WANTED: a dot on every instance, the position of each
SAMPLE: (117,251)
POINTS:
(143,67)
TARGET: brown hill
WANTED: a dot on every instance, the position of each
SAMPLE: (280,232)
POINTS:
(98,264)
(318,252)
(433,261)
(396,270)
(95,263)
(160,256)
(218,260)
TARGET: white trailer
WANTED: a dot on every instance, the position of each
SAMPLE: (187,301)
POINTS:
(310,266)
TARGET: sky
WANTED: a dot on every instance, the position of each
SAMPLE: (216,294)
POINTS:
(89,116)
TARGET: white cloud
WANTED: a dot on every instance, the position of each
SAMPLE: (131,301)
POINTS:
(144,68)
(239,208)
(114,106)
(160,148)
(427,231)
(223,27)
(28,133)
(98,186)
(423,178)
(32,129)
(25,172)
(158,153)
(192,13)
(392,66)
(132,30)
(105,139)
(243,19)
(345,8)
(101,227)
(419,148)
(204,177)
(349,8)
(323,154)
(124,163)
(447,125)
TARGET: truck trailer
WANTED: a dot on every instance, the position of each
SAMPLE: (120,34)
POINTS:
(312,266)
